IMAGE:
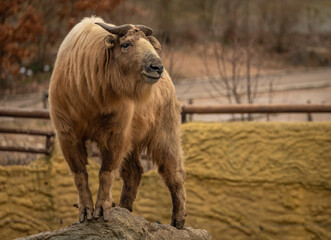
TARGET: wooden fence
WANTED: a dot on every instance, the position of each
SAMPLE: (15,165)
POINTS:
(27,113)
(255,108)
(191,109)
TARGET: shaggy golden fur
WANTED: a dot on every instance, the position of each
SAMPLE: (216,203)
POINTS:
(97,92)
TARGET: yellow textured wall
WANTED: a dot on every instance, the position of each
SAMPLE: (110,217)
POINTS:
(244,181)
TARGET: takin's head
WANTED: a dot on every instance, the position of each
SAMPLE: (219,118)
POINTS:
(133,49)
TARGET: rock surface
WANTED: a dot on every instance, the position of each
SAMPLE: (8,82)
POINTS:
(122,225)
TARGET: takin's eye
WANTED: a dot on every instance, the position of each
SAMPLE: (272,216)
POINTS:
(125,45)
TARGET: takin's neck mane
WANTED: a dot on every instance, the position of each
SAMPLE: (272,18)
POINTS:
(94,71)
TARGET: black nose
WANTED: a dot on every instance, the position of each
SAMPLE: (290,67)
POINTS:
(156,68)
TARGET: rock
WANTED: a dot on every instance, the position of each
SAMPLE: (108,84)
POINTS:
(121,225)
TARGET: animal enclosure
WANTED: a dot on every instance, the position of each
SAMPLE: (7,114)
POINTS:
(244,181)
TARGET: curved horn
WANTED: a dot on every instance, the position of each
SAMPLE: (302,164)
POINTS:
(118,30)
(148,31)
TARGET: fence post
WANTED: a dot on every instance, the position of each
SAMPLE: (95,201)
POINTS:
(183,115)
(45,98)
(190,102)
(48,142)
(309,116)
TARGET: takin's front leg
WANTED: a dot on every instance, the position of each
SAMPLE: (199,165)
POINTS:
(131,173)
(114,141)
(75,154)
(110,162)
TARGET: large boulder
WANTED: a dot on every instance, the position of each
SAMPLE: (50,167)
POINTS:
(122,225)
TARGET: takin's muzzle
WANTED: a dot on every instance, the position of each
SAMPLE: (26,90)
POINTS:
(152,69)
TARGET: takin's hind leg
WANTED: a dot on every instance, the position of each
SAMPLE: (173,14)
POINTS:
(131,173)
(75,154)
(170,167)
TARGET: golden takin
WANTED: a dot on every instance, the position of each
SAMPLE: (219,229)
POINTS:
(109,86)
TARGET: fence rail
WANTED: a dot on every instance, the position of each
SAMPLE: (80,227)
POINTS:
(48,144)
(27,113)
(27,132)
(191,109)
(24,113)
(24,149)
(255,108)
(196,109)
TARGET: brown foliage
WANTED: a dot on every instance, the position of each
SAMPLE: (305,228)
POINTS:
(29,27)
(19,26)
(77,9)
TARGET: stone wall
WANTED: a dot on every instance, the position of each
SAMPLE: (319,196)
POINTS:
(244,181)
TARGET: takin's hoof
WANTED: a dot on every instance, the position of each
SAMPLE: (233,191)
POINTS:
(179,224)
(101,212)
(85,214)
(125,206)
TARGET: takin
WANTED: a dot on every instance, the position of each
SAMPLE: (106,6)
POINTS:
(109,86)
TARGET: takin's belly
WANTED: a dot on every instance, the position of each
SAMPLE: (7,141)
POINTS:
(103,130)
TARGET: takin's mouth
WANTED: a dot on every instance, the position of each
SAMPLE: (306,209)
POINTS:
(152,77)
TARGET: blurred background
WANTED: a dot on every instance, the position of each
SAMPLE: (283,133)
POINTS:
(218,53)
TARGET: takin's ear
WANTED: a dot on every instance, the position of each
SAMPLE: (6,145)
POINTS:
(155,43)
(109,41)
